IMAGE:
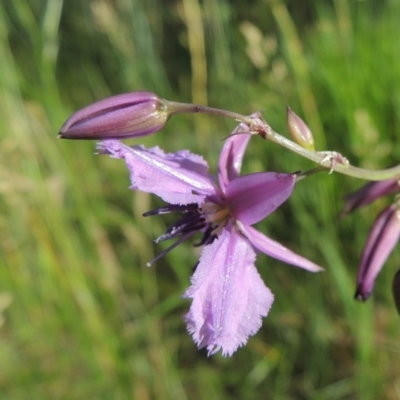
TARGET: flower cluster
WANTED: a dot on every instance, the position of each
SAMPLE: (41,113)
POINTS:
(228,295)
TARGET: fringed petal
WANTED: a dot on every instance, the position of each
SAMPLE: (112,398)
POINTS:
(229,296)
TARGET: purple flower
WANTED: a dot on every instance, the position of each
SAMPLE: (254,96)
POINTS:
(228,295)
(126,115)
(382,238)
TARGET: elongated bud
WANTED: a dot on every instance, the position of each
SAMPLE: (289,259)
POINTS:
(369,193)
(383,237)
(126,115)
(396,290)
(299,131)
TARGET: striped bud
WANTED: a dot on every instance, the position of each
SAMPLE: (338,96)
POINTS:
(126,115)
(369,193)
(383,237)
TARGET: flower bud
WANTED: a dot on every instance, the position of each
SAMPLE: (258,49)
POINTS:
(383,237)
(126,115)
(369,193)
(299,131)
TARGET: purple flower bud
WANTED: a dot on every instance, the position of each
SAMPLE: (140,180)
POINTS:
(299,131)
(396,290)
(369,193)
(126,115)
(383,237)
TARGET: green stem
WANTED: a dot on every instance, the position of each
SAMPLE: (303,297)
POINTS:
(184,108)
(329,160)
(345,168)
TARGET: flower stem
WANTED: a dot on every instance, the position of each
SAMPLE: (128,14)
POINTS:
(332,164)
(185,108)
(330,160)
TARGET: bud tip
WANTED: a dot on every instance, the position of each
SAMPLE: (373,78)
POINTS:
(299,131)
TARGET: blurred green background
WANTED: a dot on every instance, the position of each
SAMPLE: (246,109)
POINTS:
(81,315)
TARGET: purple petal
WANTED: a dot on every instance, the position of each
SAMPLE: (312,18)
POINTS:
(383,237)
(252,197)
(276,250)
(178,178)
(230,160)
(126,115)
(229,297)
(369,193)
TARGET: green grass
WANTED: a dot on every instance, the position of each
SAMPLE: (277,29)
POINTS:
(81,317)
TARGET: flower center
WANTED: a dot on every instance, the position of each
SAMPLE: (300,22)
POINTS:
(208,218)
(215,215)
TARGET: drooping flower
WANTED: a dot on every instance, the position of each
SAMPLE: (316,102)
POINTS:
(228,295)
(382,238)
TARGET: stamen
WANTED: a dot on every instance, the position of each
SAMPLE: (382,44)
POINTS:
(191,222)
(167,250)
(208,238)
(172,208)
(209,218)
(217,230)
